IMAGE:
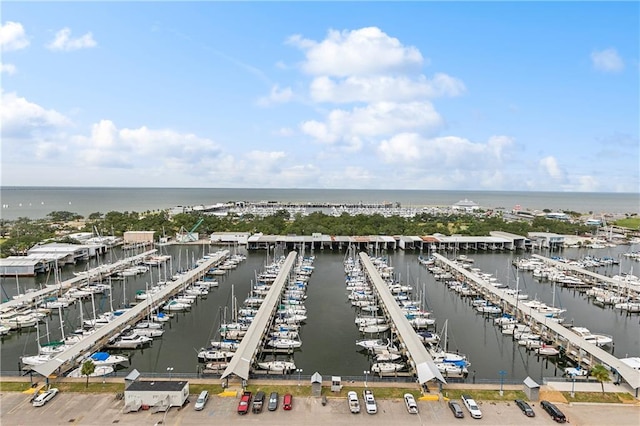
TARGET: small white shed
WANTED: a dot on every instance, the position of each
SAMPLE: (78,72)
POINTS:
(157,393)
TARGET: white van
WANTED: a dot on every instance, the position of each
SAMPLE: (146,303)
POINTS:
(202,400)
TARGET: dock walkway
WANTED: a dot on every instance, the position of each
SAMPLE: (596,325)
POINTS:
(628,374)
(104,270)
(67,359)
(419,358)
(240,364)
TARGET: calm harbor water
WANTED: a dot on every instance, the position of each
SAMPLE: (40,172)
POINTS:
(329,334)
(37,202)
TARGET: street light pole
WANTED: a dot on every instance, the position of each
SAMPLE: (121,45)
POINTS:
(170,370)
(502,374)
(573,386)
(299,370)
(366,376)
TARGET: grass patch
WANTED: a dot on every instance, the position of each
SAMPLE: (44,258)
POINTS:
(94,387)
(485,395)
(607,397)
(14,386)
(629,222)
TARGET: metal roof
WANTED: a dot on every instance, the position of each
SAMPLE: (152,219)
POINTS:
(424,365)
(630,375)
(88,343)
(240,364)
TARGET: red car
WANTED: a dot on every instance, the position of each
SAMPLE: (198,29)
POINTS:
(287,401)
(245,401)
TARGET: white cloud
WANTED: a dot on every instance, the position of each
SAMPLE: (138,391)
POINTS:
(285,132)
(64,42)
(366,51)
(144,149)
(276,96)
(12,36)
(550,168)
(23,119)
(8,68)
(607,60)
(348,128)
(383,88)
(446,153)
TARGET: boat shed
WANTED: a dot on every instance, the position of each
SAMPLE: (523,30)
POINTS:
(21,266)
(316,384)
(165,393)
(71,253)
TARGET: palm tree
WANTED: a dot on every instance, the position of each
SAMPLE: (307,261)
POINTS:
(601,374)
(88,367)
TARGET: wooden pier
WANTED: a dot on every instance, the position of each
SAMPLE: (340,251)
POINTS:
(584,353)
(66,360)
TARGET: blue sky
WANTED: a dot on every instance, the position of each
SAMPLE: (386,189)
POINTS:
(539,96)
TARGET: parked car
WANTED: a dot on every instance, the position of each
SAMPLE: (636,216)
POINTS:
(354,403)
(245,400)
(287,402)
(472,407)
(258,402)
(45,397)
(410,402)
(369,401)
(456,409)
(273,401)
(553,411)
(202,400)
(526,408)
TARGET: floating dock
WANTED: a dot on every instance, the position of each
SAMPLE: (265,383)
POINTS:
(549,329)
(66,360)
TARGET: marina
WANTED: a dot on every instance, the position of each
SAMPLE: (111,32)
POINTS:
(584,353)
(329,333)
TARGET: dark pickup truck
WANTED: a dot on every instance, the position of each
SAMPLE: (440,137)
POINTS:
(245,400)
(258,402)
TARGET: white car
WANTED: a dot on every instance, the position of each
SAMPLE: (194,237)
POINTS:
(354,404)
(410,402)
(45,397)
(369,401)
(472,407)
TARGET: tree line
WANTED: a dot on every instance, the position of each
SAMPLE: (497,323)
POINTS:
(23,233)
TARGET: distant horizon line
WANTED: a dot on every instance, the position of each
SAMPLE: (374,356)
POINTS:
(309,189)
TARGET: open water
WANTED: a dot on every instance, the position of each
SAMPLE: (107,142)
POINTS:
(329,333)
(37,202)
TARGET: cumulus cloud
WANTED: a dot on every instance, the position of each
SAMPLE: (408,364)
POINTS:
(276,96)
(143,148)
(551,168)
(23,119)
(64,42)
(348,128)
(383,88)
(364,51)
(607,60)
(8,68)
(448,152)
(12,36)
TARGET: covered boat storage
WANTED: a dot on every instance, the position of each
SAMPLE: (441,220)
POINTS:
(240,364)
(570,339)
(419,358)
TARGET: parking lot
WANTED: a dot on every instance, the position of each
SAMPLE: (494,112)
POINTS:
(104,409)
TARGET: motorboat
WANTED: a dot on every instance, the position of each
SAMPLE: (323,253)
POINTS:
(596,339)
(281,366)
(101,359)
(210,354)
(129,341)
(546,350)
(284,343)
(98,371)
(386,367)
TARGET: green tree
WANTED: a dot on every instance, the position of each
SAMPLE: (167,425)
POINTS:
(601,374)
(88,367)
